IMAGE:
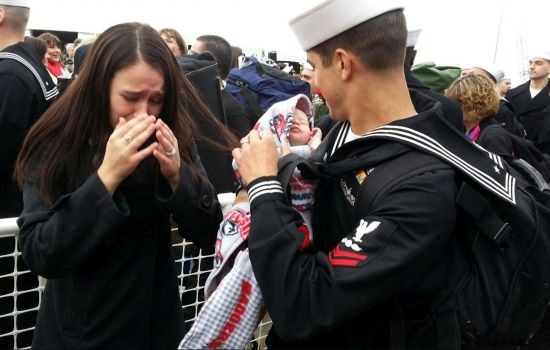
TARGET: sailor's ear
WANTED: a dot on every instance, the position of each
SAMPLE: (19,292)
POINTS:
(2,14)
(343,58)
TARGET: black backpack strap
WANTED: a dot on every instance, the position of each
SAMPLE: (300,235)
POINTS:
(533,174)
(481,208)
(286,166)
(251,101)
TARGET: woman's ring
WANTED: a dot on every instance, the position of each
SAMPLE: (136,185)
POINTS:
(128,138)
(171,153)
(245,139)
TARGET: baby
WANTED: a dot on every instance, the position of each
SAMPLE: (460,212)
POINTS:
(290,122)
(232,277)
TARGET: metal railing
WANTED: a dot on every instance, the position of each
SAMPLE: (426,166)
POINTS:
(21,290)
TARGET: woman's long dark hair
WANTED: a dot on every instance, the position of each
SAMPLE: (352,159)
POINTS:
(67,144)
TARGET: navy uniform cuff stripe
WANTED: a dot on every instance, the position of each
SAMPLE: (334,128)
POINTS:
(262,186)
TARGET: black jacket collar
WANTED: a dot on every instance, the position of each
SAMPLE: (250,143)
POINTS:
(520,97)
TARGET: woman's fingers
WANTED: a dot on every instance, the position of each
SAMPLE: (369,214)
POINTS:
(167,140)
(135,132)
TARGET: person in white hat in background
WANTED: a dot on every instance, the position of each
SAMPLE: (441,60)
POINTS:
(322,119)
(307,75)
(341,292)
(26,90)
(504,85)
(532,98)
(451,110)
(489,70)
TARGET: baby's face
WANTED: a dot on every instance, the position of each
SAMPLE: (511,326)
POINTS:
(300,132)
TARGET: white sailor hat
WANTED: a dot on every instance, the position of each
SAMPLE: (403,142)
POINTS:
(16,3)
(333,17)
(493,70)
(545,54)
(412,37)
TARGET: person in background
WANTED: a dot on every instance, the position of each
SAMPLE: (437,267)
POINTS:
(307,75)
(68,63)
(506,113)
(220,48)
(342,291)
(26,91)
(504,85)
(80,54)
(174,40)
(24,96)
(235,53)
(322,119)
(489,70)
(103,172)
(479,100)
(39,46)
(531,98)
(55,67)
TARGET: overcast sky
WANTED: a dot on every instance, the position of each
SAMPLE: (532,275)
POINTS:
(459,33)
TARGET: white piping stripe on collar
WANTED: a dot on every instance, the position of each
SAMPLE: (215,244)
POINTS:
(47,94)
(495,157)
(506,192)
(341,137)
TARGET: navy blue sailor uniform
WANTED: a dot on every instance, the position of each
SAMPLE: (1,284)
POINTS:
(337,292)
(26,91)
(533,113)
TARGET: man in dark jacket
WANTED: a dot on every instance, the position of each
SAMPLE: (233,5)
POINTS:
(341,291)
(531,98)
(26,90)
(235,115)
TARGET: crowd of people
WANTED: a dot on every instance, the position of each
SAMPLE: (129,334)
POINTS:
(110,146)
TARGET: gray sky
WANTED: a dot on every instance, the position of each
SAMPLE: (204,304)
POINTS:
(459,33)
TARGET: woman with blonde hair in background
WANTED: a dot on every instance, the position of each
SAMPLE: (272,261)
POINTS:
(479,99)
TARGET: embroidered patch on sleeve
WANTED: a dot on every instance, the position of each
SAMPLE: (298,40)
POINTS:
(351,251)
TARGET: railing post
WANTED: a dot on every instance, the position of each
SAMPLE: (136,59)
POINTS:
(8,227)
